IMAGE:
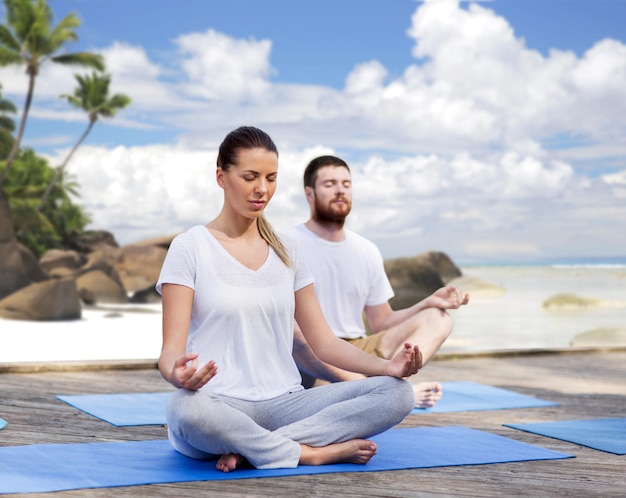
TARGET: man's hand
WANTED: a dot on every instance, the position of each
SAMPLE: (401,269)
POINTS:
(406,363)
(185,372)
(447,298)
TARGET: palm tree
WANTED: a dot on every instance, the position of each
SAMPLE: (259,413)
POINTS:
(92,96)
(29,38)
(7,125)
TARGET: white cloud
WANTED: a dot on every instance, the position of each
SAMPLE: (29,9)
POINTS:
(134,74)
(462,138)
(406,205)
(220,67)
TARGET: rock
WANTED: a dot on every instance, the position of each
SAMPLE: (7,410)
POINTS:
(97,287)
(14,271)
(34,270)
(443,264)
(105,253)
(62,272)
(95,261)
(163,241)
(139,266)
(114,314)
(601,337)
(86,296)
(62,258)
(145,296)
(93,240)
(416,278)
(53,299)
(567,301)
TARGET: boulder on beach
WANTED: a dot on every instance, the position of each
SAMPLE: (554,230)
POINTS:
(96,262)
(62,258)
(53,299)
(601,337)
(139,266)
(93,240)
(12,266)
(146,296)
(416,278)
(97,287)
(163,241)
(34,271)
(568,302)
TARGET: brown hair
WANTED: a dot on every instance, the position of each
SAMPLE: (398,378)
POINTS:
(310,173)
(249,137)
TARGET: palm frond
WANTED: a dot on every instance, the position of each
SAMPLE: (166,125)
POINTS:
(8,40)
(6,106)
(88,59)
(63,32)
(119,101)
(20,15)
(6,123)
(8,57)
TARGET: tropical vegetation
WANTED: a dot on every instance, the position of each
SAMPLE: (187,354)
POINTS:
(7,125)
(92,96)
(41,198)
(60,220)
(28,38)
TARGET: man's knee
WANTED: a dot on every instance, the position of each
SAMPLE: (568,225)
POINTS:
(435,319)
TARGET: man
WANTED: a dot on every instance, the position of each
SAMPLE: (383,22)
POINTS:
(350,281)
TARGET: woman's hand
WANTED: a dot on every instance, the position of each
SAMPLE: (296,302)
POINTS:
(185,372)
(406,363)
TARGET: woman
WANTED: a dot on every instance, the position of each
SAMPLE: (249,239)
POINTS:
(230,292)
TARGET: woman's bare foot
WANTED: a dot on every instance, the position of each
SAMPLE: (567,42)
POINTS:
(426,394)
(352,451)
(229,462)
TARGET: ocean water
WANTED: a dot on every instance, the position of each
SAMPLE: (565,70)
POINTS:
(511,319)
(516,319)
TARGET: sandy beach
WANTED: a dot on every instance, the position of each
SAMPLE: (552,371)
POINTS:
(505,313)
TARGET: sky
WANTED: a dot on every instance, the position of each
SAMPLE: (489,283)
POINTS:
(493,131)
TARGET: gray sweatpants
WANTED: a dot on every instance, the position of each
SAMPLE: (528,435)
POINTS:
(268,433)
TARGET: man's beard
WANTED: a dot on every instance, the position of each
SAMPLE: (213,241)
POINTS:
(332,214)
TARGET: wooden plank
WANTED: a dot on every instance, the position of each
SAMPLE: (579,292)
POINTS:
(586,384)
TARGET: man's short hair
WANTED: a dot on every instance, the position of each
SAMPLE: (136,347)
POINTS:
(310,173)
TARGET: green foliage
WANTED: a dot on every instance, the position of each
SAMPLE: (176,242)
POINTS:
(59,221)
(7,125)
(92,96)
(29,38)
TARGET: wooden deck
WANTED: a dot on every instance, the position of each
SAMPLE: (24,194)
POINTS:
(586,384)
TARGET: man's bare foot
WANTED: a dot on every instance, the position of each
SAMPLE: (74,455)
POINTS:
(426,394)
(229,462)
(352,451)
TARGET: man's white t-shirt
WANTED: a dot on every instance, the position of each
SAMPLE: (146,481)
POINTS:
(349,275)
(241,318)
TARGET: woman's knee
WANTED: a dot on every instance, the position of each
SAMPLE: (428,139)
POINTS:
(186,412)
(401,398)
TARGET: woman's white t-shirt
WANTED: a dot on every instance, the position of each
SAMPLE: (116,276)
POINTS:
(241,318)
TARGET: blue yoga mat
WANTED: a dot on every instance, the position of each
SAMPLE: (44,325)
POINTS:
(604,434)
(3,424)
(149,408)
(122,409)
(470,396)
(56,467)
